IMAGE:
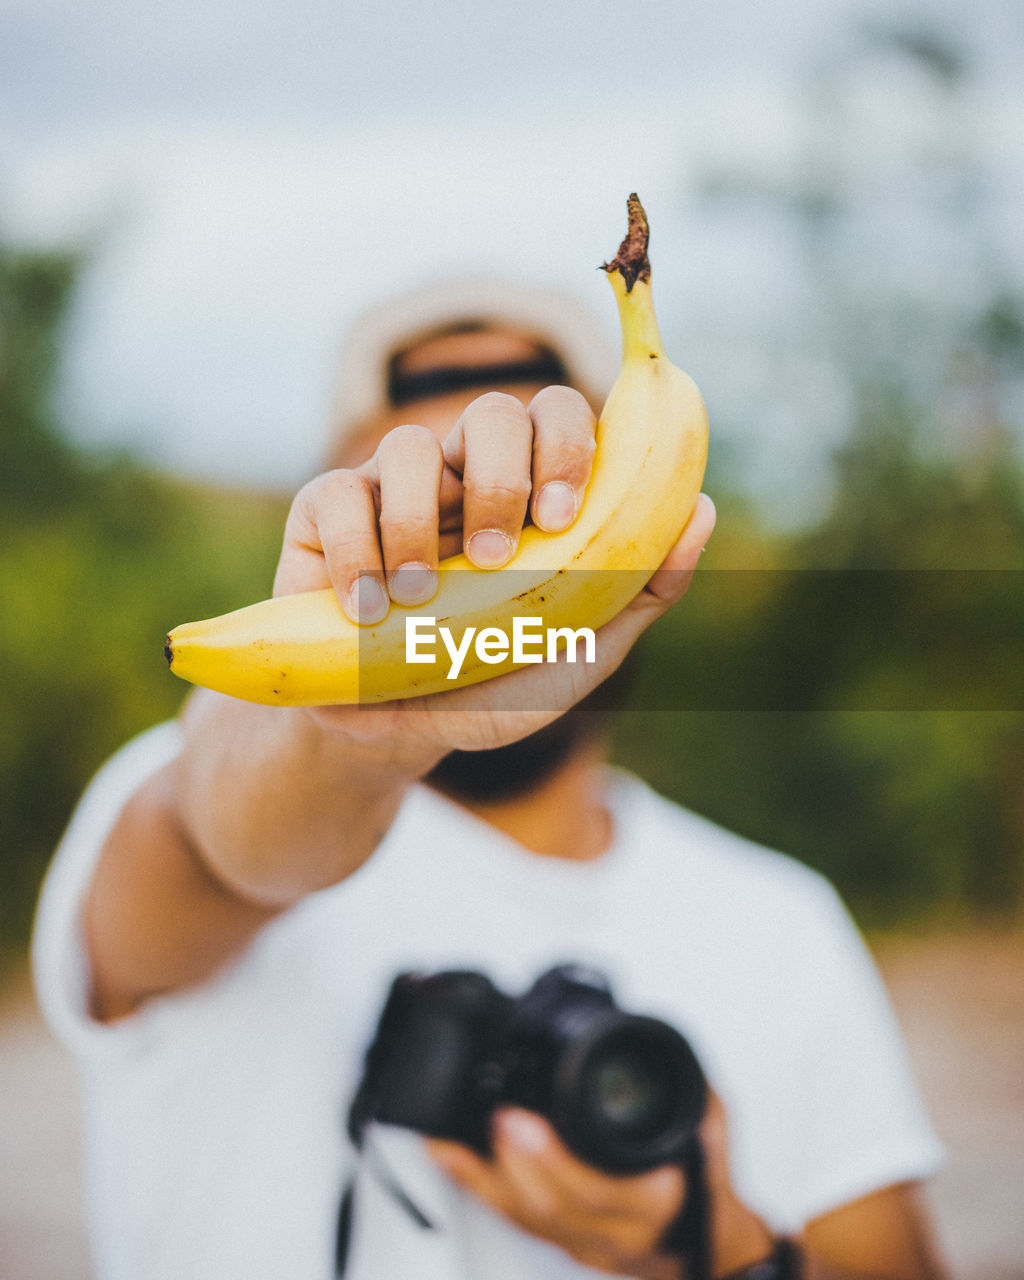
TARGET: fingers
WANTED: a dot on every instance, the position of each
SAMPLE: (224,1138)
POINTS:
(372,534)
(522,701)
(564,683)
(608,1222)
(376,534)
(672,580)
(331,539)
(548,1176)
(535,1181)
(514,459)
(666,587)
(409,465)
(476,1175)
(563,455)
(490,447)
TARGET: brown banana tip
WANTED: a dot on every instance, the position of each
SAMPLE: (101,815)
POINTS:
(168,652)
(632,261)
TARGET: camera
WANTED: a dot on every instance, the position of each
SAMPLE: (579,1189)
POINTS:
(624,1092)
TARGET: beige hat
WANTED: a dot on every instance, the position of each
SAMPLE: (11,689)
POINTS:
(555,320)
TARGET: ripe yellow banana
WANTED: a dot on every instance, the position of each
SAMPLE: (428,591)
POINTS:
(648,468)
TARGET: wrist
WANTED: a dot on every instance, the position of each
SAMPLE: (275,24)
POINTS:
(253,781)
(784,1262)
(386,762)
(720,1238)
(741,1239)
(383,742)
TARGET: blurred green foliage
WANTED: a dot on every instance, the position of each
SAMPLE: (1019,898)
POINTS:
(99,557)
(858,687)
(909,812)
(854,692)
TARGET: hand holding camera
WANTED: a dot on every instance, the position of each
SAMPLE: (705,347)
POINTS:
(624,1092)
(582,1124)
(613,1223)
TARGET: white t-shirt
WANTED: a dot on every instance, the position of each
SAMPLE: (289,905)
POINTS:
(214,1118)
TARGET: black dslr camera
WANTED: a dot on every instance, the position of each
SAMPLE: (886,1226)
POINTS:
(624,1092)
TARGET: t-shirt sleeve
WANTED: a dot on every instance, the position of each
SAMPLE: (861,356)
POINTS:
(59,960)
(858,1123)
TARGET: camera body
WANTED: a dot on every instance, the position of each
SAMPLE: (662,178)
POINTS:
(624,1092)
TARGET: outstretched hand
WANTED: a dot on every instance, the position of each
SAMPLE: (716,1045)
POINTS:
(376,533)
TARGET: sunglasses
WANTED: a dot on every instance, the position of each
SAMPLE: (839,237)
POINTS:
(403,388)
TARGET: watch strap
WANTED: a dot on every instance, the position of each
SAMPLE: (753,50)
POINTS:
(783,1263)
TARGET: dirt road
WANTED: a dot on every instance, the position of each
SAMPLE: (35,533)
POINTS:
(960,999)
(961,1002)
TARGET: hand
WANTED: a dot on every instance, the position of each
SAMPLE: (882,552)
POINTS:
(610,1223)
(613,1224)
(379,530)
(376,533)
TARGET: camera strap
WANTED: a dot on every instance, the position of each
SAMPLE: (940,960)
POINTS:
(688,1235)
(378,1166)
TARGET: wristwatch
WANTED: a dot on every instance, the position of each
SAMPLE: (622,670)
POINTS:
(783,1263)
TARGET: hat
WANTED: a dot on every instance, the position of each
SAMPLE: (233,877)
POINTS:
(557,321)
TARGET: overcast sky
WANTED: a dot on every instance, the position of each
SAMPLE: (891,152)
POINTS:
(248,177)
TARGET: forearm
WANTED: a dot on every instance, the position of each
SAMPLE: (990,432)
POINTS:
(878,1261)
(261,807)
(803,1263)
(277,805)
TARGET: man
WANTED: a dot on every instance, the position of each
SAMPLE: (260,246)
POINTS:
(244,885)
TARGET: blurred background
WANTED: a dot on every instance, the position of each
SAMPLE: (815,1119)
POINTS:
(195,202)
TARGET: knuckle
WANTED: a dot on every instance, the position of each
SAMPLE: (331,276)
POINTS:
(499,492)
(325,490)
(563,436)
(577,436)
(341,483)
(575,453)
(407,524)
(558,397)
(495,401)
(565,444)
(351,545)
(307,497)
(409,436)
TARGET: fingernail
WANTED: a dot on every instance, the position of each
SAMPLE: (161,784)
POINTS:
(522,1130)
(555,507)
(367,600)
(412,583)
(490,548)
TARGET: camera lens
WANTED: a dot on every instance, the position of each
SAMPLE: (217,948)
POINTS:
(630,1095)
(630,1085)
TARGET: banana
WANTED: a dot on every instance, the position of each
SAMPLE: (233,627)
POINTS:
(301,650)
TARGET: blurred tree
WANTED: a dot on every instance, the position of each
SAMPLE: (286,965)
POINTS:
(858,702)
(99,557)
(769,700)
(37,466)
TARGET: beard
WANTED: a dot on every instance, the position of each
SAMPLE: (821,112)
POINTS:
(512,771)
(505,773)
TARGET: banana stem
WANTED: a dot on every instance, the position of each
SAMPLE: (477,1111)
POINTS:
(631,261)
(630,275)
